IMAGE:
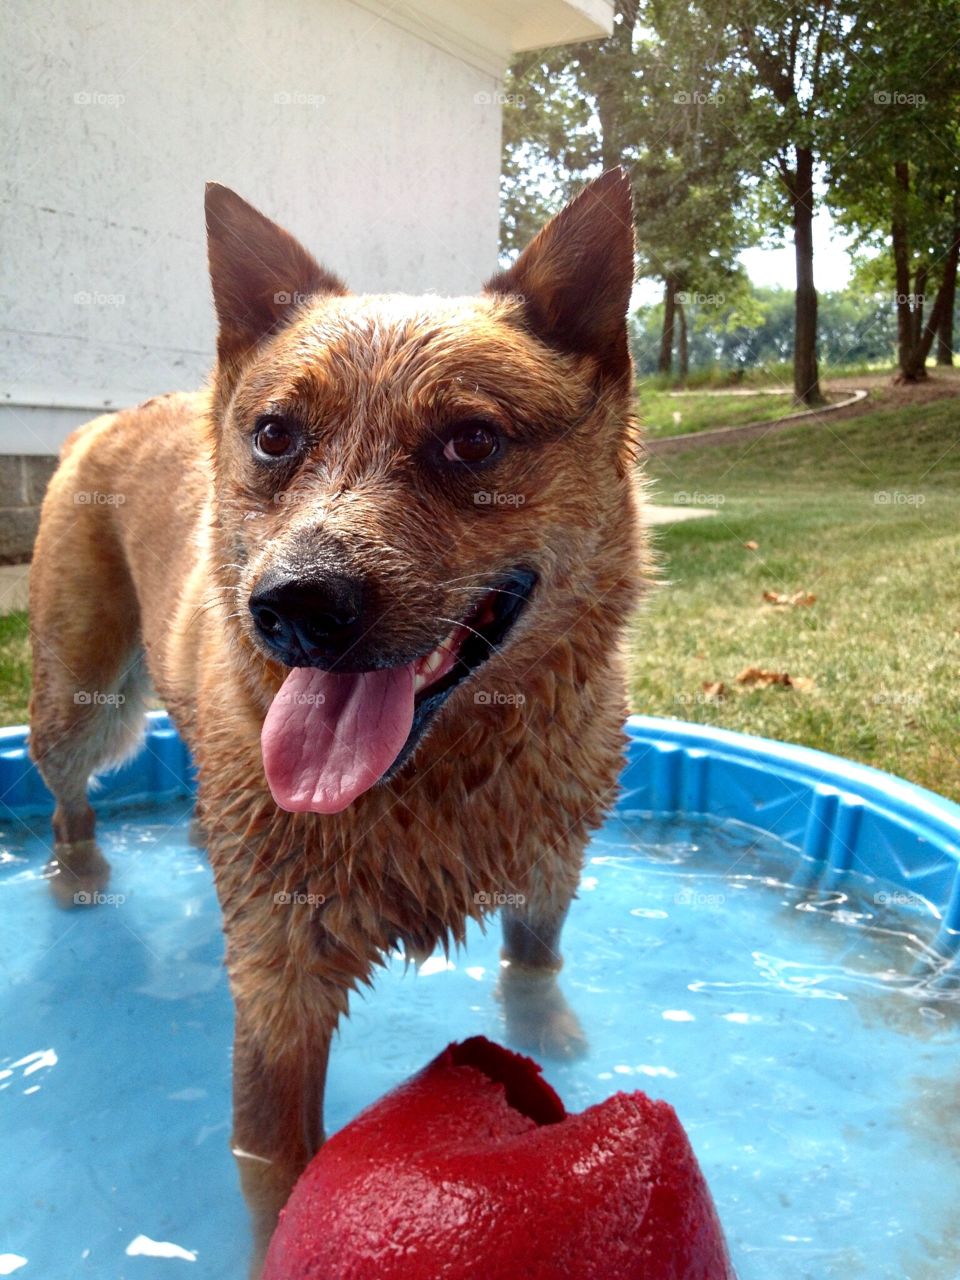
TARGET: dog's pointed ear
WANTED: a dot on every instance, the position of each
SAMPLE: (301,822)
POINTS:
(259,273)
(574,279)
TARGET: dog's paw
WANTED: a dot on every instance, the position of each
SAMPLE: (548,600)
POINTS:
(78,874)
(538,1017)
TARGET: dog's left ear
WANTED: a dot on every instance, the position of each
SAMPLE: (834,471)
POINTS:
(259,272)
(574,279)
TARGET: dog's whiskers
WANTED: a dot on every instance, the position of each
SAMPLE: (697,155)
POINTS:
(517,595)
(478,576)
(453,622)
(215,603)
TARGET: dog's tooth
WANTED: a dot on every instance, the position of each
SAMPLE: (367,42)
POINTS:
(428,666)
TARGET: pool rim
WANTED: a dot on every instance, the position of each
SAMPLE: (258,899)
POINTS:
(884,790)
(838,812)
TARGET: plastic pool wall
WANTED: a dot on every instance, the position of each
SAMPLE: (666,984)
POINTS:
(843,815)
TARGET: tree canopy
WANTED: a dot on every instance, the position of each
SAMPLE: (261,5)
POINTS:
(736,119)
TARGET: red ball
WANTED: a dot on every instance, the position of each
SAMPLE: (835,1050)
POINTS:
(473,1170)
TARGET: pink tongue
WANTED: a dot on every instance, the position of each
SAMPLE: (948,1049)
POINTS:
(328,738)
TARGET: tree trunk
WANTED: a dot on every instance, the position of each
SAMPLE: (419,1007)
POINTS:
(608,114)
(901,265)
(608,55)
(806,379)
(918,362)
(915,339)
(945,328)
(665,363)
(915,367)
(917,303)
(683,350)
(945,296)
(945,332)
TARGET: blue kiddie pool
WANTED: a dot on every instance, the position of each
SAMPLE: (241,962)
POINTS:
(765,936)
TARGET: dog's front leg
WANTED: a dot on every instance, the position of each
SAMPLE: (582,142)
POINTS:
(538,1016)
(277,1125)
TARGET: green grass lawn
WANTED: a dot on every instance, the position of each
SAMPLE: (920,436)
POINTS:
(865,514)
(14,669)
(663,414)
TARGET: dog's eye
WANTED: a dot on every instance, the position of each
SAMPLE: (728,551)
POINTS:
(273,438)
(471,442)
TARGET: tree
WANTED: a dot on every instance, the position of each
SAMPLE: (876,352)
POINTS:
(794,59)
(915,335)
(730,114)
(694,209)
(895,178)
(648,98)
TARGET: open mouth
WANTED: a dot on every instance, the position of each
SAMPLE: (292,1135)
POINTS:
(471,643)
(328,736)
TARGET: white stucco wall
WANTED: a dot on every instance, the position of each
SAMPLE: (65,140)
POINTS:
(371,134)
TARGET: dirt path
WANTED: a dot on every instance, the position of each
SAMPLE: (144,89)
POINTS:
(881,394)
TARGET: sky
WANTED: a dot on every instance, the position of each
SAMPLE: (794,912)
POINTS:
(831,261)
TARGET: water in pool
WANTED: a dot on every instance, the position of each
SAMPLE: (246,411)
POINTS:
(816,1069)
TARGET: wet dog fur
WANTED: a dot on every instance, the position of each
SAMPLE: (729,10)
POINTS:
(149,581)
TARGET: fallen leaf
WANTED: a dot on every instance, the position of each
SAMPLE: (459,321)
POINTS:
(752,546)
(804,598)
(714,690)
(758,678)
(803,684)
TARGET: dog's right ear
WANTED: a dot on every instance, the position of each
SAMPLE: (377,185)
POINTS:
(259,272)
(574,279)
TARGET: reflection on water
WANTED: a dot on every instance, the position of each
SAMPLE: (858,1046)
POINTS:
(808,1035)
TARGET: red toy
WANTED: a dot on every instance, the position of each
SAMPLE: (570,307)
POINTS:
(473,1170)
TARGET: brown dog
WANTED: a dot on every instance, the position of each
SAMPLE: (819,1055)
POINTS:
(378,573)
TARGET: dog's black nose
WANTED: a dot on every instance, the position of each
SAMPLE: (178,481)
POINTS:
(316,619)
